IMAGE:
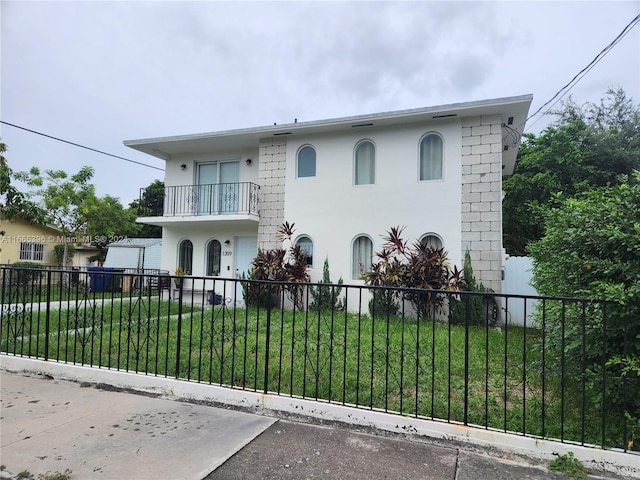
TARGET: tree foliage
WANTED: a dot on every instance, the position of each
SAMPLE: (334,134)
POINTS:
(71,204)
(151,202)
(588,146)
(417,267)
(58,253)
(68,200)
(592,249)
(13,202)
(107,220)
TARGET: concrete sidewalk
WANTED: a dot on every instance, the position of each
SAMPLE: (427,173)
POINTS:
(53,425)
(50,425)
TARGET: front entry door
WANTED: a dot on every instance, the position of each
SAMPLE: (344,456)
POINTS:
(246,250)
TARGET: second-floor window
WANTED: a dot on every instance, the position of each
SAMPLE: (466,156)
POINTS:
(431,240)
(306,161)
(431,157)
(365,164)
(218,190)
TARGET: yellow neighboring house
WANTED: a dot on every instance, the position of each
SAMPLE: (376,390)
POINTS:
(25,241)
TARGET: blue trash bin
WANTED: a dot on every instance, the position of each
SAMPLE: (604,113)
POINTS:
(97,279)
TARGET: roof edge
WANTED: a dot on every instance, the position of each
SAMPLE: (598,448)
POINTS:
(271,129)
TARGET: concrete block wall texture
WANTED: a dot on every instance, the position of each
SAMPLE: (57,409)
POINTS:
(481,197)
(271,176)
(480,203)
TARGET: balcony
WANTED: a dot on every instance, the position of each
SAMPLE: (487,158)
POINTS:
(224,201)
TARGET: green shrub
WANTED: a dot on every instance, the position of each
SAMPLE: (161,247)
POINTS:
(383,303)
(591,250)
(256,294)
(326,296)
(477,304)
(280,265)
(24,273)
(58,252)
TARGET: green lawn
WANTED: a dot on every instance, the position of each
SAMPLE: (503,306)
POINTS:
(399,365)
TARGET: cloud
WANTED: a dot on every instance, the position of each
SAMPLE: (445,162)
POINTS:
(98,73)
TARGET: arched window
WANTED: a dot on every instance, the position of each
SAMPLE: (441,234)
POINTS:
(362,257)
(431,153)
(365,166)
(213,257)
(185,256)
(307,162)
(306,245)
(431,240)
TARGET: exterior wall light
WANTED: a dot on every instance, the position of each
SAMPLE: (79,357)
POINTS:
(248,162)
(183,166)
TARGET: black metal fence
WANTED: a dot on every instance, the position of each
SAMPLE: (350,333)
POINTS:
(560,374)
(209,199)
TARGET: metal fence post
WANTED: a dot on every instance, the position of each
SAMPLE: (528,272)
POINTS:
(467,321)
(267,340)
(179,327)
(47,318)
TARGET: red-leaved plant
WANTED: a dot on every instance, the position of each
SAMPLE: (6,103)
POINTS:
(283,265)
(415,266)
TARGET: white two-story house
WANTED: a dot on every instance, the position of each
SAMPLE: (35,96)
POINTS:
(343,182)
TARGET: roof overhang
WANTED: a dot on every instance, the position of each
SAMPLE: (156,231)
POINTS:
(513,111)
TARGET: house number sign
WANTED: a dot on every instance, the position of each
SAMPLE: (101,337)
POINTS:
(227,254)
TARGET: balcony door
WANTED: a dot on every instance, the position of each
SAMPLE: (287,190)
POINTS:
(218,189)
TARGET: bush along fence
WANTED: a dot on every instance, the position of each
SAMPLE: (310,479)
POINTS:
(439,355)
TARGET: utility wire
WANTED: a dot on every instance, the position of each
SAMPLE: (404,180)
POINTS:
(564,90)
(81,146)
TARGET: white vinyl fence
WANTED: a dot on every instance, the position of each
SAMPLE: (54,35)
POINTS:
(517,275)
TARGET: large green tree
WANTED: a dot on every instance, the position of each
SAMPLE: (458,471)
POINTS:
(591,249)
(588,146)
(68,200)
(70,203)
(108,221)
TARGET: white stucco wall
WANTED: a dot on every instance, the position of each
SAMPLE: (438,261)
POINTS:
(199,232)
(332,211)
(200,235)
(174,175)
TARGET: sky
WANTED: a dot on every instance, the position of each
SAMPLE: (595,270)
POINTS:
(97,73)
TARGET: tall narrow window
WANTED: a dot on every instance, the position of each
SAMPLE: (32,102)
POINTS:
(362,256)
(306,245)
(365,163)
(307,162)
(213,257)
(431,153)
(185,256)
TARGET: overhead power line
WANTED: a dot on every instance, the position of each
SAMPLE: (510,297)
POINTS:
(82,146)
(564,90)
